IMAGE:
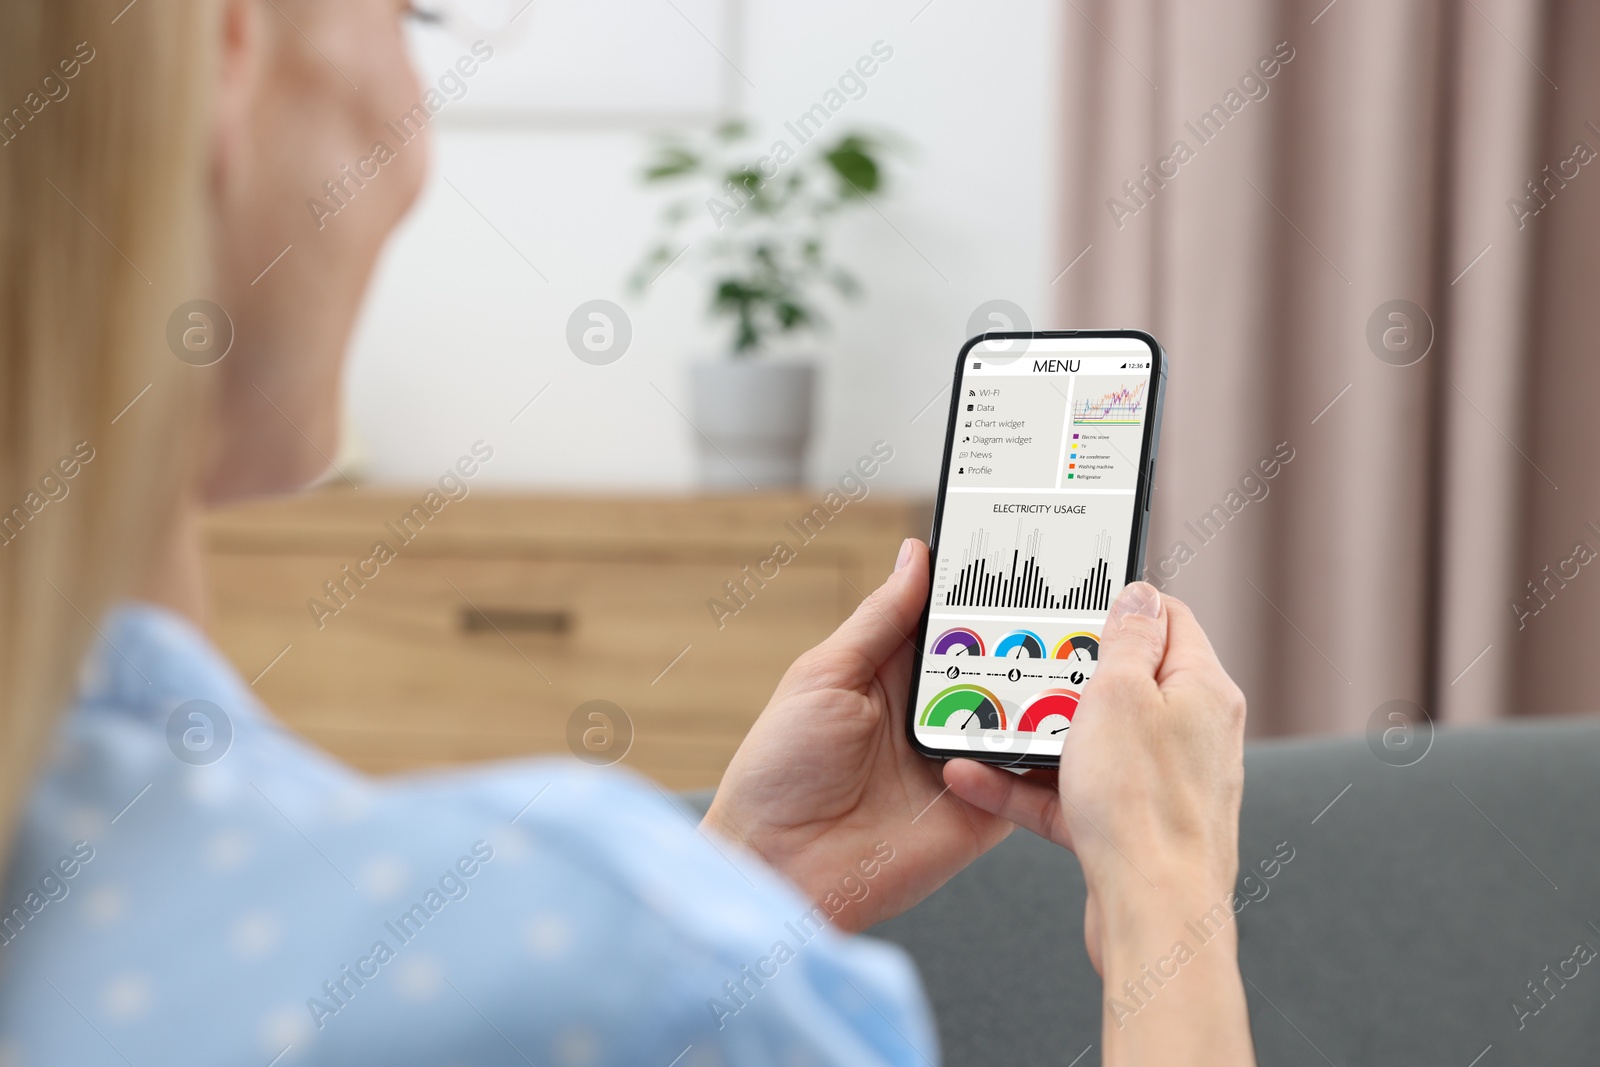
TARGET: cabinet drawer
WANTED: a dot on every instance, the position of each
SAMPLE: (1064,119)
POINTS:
(441,659)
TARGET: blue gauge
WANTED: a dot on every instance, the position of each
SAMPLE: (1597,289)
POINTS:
(1020,644)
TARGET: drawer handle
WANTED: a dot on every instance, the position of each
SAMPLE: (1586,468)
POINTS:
(506,620)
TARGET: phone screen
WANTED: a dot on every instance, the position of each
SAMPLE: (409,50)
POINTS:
(1041,521)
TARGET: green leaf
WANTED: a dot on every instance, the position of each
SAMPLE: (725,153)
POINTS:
(852,160)
(746,335)
(673,161)
(746,179)
(791,315)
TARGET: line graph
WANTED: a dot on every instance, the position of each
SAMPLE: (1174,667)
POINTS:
(1123,406)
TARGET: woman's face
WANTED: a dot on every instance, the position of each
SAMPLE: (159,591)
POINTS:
(312,168)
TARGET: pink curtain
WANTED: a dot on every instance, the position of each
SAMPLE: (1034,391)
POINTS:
(1367,235)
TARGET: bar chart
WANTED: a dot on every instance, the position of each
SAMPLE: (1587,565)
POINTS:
(1029,556)
(986,581)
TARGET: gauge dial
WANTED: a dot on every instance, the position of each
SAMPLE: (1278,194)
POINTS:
(959,641)
(1020,644)
(1080,648)
(1049,713)
(965,707)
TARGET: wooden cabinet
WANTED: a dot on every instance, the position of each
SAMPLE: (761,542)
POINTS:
(480,636)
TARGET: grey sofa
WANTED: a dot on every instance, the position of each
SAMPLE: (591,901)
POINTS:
(1417,907)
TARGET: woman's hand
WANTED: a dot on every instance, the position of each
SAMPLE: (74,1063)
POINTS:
(1152,769)
(1148,797)
(826,785)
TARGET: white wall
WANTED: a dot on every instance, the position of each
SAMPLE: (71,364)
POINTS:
(460,331)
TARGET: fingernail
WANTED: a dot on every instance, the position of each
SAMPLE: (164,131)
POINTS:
(1138,599)
(905,554)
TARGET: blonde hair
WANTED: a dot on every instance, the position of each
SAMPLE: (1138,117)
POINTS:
(103,194)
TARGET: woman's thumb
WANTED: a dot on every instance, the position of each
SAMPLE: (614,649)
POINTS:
(1135,637)
(888,617)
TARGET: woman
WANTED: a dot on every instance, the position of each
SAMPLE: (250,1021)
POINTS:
(272,906)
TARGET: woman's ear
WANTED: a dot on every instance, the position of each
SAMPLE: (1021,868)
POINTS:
(239,71)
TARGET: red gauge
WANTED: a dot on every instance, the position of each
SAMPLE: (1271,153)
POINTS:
(1049,713)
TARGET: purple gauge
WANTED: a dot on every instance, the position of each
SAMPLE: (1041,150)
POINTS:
(959,641)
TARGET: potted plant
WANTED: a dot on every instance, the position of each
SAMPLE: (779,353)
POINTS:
(756,224)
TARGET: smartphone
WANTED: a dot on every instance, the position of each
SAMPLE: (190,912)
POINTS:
(1041,519)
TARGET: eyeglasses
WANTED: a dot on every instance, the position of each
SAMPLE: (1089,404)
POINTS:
(504,22)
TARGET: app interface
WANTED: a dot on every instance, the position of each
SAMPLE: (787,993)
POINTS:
(1033,544)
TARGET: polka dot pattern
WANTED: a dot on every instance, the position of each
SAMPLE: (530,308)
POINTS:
(273,907)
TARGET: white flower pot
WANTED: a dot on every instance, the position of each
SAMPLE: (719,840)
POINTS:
(753,420)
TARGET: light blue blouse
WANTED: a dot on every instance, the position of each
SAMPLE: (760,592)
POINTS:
(166,907)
